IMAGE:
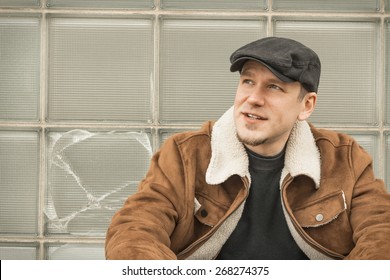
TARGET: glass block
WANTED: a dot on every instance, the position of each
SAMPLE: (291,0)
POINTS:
(328,5)
(75,252)
(90,175)
(387,73)
(214,4)
(370,142)
(19,68)
(18,251)
(347,95)
(124,4)
(100,69)
(195,80)
(19,173)
(19,3)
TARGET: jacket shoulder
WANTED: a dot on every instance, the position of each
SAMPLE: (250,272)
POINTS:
(193,136)
(339,148)
(333,137)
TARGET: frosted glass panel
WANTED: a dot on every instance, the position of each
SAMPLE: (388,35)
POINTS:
(214,4)
(76,252)
(19,68)
(19,173)
(91,174)
(347,94)
(100,69)
(17,252)
(15,3)
(328,5)
(129,4)
(387,73)
(195,80)
(387,5)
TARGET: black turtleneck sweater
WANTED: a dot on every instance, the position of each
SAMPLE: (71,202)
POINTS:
(262,231)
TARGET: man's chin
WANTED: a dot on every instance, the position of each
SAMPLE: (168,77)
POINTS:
(251,141)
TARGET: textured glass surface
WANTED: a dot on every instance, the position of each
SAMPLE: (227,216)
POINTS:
(129,4)
(17,252)
(387,73)
(387,5)
(19,68)
(347,94)
(328,5)
(90,175)
(100,69)
(214,4)
(75,252)
(195,80)
(370,143)
(19,173)
(11,3)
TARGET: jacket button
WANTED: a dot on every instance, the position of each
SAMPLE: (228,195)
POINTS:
(203,213)
(319,217)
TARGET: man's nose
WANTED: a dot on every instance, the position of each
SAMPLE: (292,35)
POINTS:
(256,97)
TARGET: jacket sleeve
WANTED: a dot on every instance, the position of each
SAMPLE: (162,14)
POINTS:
(370,210)
(141,229)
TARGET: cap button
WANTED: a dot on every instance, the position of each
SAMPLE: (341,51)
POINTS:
(319,217)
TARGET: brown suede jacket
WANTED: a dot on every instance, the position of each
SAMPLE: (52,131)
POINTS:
(194,193)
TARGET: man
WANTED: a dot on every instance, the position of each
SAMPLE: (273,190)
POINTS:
(260,183)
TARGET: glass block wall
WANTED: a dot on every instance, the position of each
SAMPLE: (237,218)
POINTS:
(89,89)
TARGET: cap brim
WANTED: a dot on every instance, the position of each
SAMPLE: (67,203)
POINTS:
(239,63)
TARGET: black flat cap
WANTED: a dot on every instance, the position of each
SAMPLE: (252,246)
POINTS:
(289,60)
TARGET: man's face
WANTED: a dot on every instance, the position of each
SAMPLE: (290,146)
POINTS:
(266,109)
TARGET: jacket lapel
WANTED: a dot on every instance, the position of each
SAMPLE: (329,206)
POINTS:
(228,153)
(302,154)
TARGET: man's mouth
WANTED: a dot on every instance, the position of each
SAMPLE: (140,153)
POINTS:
(254,117)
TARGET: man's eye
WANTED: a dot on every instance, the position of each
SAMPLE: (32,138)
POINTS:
(272,86)
(248,82)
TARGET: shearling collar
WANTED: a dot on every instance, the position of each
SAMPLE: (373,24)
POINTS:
(230,158)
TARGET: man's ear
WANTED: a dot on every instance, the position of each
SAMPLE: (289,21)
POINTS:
(309,103)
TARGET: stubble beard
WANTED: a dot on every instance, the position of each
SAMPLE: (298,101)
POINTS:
(251,140)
